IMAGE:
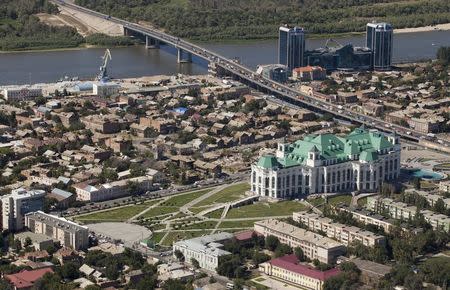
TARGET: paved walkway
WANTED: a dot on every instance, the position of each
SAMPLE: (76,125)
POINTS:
(146,210)
(185,208)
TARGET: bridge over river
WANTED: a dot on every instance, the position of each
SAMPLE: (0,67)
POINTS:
(278,92)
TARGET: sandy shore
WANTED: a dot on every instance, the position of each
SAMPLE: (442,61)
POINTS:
(445,26)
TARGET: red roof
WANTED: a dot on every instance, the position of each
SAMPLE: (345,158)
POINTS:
(290,263)
(26,278)
(245,235)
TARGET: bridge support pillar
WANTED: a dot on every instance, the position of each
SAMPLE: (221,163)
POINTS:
(126,31)
(184,56)
(151,42)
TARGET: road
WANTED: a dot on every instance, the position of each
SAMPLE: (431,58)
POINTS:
(279,91)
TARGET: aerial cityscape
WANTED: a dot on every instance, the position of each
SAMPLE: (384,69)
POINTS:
(224,144)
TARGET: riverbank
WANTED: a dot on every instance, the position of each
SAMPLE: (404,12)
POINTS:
(81,47)
(438,27)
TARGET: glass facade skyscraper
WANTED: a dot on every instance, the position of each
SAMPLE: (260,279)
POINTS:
(291,46)
(379,39)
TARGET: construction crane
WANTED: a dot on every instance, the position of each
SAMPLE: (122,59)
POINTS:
(103,74)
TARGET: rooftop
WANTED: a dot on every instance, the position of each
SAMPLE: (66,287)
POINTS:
(26,279)
(207,244)
(56,221)
(299,233)
(291,263)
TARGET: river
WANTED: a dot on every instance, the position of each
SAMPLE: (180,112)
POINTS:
(49,66)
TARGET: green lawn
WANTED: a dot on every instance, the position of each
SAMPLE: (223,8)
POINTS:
(233,192)
(156,237)
(182,199)
(362,202)
(177,236)
(346,199)
(237,224)
(118,214)
(316,201)
(159,210)
(265,209)
(217,214)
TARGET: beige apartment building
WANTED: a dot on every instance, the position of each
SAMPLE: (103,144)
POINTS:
(314,246)
(342,233)
(68,233)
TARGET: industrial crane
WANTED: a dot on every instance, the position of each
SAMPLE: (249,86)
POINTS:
(103,75)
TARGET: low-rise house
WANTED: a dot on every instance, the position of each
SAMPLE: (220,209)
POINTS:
(174,271)
(119,144)
(38,241)
(66,254)
(63,197)
(289,270)
(25,279)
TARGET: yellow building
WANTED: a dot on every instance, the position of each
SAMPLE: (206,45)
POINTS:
(288,269)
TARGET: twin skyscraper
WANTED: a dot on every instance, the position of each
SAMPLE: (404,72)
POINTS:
(379,44)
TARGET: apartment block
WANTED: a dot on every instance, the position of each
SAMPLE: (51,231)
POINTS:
(402,211)
(68,233)
(342,233)
(314,246)
(17,204)
(369,218)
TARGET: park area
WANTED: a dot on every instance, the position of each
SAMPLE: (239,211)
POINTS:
(177,217)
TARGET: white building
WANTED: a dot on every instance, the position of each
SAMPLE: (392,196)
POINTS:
(314,246)
(17,204)
(327,163)
(206,250)
(342,233)
(112,190)
(21,94)
(105,89)
(68,233)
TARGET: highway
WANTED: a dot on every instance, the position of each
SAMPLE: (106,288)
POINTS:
(277,90)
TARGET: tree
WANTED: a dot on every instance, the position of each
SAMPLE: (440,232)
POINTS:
(28,242)
(439,206)
(17,245)
(149,282)
(93,287)
(272,242)
(195,263)
(112,269)
(413,282)
(416,182)
(69,271)
(259,258)
(299,254)
(179,255)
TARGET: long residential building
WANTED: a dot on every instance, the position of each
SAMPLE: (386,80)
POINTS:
(430,197)
(288,269)
(68,233)
(112,190)
(327,163)
(369,218)
(17,204)
(342,233)
(403,211)
(207,250)
(314,246)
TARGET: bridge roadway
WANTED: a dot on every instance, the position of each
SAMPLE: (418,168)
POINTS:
(279,91)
